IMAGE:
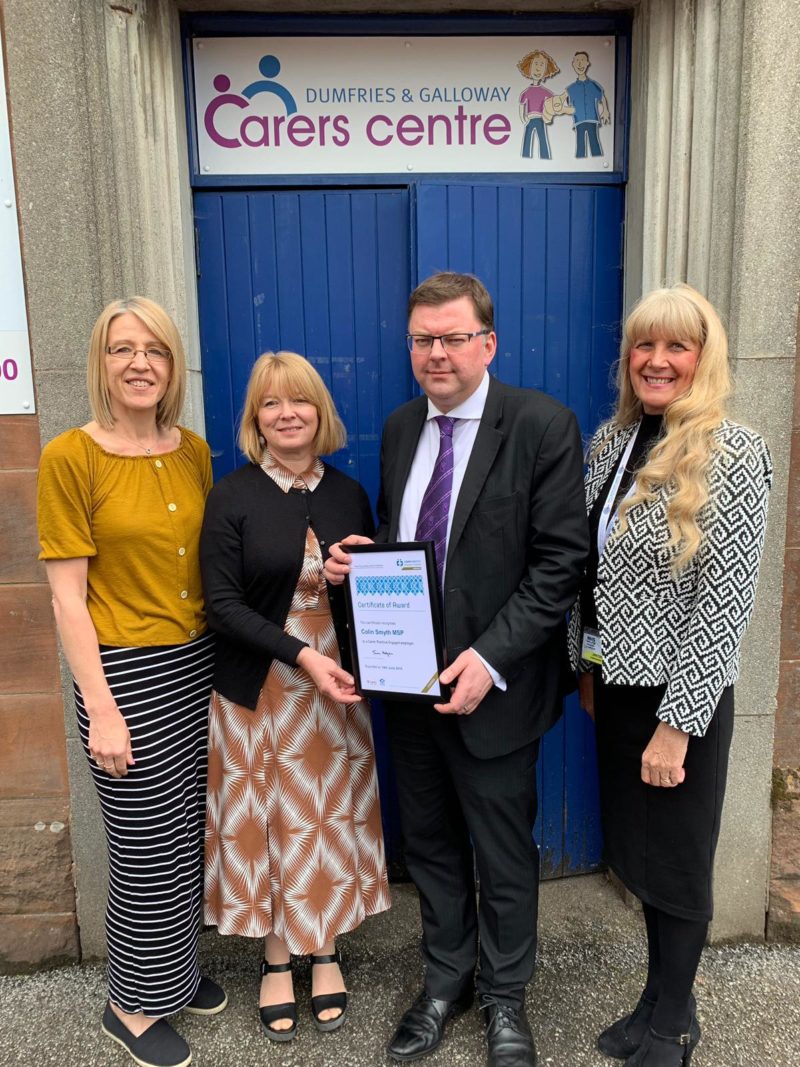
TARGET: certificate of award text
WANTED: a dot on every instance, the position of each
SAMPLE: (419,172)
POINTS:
(395,629)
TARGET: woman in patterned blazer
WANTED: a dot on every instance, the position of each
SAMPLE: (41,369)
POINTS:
(677,501)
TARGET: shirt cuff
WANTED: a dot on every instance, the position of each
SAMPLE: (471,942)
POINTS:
(497,679)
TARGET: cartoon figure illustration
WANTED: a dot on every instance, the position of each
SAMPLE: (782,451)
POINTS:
(270,67)
(588,101)
(537,66)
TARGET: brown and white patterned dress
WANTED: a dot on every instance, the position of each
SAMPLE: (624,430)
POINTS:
(294,844)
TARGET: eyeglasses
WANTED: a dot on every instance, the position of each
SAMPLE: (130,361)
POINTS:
(153,354)
(452,343)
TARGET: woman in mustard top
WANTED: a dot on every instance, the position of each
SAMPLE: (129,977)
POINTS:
(120,506)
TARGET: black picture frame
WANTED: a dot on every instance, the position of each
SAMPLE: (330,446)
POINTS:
(434,602)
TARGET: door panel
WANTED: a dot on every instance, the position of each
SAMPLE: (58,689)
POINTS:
(325,274)
(551,257)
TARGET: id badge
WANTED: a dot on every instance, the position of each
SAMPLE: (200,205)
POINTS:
(592,651)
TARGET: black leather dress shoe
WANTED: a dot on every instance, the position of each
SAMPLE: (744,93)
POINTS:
(421,1029)
(508,1035)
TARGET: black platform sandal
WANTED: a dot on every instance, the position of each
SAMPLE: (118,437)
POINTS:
(271,1013)
(327,1001)
(662,1050)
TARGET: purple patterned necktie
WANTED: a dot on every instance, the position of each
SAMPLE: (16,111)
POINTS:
(435,506)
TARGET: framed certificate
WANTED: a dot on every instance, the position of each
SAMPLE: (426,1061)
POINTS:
(395,622)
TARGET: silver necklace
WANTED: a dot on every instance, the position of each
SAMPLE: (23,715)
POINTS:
(138,444)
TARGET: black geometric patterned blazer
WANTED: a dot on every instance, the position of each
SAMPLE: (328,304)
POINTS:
(685,630)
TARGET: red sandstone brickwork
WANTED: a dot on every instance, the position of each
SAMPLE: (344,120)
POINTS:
(37,893)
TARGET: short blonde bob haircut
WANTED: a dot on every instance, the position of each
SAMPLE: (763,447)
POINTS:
(287,374)
(681,458)
(166,333)
(524,65)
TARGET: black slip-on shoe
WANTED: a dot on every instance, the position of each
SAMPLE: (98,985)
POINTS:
(158,1046)
(210,999)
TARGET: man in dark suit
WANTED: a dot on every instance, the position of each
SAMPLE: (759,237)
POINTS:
(511,539)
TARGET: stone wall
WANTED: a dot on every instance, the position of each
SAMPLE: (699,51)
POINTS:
(713,200)
(37,895)
(784,892)
(787,719)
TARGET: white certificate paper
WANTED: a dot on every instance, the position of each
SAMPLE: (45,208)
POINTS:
(394,622)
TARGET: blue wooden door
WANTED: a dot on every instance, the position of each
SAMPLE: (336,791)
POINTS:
(551,255)
(327,274)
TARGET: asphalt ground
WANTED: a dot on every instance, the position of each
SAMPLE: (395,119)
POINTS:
(590,971)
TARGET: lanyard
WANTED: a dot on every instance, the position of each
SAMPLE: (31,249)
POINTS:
(606,517)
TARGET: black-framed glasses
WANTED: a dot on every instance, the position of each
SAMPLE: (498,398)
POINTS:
(452,343)
(153,354)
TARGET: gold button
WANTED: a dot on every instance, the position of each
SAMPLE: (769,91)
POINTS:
(184,594)
(181,551)
(172,507)
(193,633)
(159,464)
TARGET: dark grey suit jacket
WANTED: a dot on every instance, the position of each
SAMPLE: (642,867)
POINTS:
(515,557)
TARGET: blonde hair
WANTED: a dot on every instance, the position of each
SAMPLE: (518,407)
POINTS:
(679,460)
(524,65)
(166,333)
(288,374)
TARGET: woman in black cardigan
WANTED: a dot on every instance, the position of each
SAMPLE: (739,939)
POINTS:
(294,851)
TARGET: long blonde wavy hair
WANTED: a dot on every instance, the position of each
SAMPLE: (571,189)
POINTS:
(680,460)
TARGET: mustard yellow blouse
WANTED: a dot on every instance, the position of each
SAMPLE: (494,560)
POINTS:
(137,519)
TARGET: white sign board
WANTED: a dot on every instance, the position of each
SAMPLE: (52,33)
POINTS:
(16,379)
(387,105)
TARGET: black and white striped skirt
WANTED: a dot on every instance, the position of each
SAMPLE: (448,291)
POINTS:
(154,820)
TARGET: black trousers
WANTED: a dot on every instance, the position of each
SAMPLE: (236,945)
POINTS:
(459,812)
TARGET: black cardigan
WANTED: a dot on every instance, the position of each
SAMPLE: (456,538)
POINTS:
(251,554)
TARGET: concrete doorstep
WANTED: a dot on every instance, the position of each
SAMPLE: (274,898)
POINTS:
(590,971)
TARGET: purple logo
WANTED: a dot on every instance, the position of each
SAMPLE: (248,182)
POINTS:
(459,127)
(265,131)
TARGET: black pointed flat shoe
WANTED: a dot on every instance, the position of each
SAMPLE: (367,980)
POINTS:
(623,1037)
(328,1001)
(271,1013)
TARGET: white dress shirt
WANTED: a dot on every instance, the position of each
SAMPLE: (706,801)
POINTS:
(465,431)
